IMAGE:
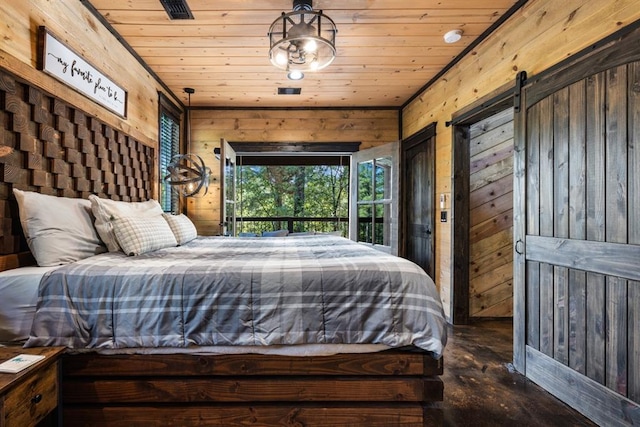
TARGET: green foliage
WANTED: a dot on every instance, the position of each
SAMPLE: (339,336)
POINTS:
(293,191)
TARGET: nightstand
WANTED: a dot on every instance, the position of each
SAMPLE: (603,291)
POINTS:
(29,396)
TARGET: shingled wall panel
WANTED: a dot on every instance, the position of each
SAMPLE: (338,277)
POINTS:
(53,148)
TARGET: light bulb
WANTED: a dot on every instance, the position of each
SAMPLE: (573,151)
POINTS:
(311,46)
(281,58)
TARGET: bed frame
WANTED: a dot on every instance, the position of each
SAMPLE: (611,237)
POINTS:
(391,388)
(54,148)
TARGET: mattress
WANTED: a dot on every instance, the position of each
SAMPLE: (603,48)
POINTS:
(18,297)
(245,293)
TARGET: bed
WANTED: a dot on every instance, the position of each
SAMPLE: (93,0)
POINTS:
(289,377)
(301,330)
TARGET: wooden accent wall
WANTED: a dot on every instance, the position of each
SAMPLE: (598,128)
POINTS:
(74,25)
(49,147)
(539,35)
(369,127)
(491,217)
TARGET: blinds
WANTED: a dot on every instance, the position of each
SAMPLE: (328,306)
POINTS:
(169,147)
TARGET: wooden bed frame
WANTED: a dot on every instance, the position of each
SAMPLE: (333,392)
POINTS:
(53,148)
(391,388)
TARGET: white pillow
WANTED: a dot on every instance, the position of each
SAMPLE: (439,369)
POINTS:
(106,211)
(59,230)
(182,227)
(138,235)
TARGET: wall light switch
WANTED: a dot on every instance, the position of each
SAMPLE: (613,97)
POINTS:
(443,199)
(443,216)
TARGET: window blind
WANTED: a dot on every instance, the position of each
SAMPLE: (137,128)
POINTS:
(169,147)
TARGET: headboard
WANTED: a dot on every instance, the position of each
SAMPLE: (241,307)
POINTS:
(50,147)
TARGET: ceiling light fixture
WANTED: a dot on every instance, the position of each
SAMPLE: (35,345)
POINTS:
(302,40)
(453,36)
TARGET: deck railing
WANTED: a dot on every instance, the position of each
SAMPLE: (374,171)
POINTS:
(293,224)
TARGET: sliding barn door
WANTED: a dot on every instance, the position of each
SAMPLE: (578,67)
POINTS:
(577,232)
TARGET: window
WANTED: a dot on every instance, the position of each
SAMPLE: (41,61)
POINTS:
(299,198)
(169,146)
(374,197)
(298,187)
(374,201)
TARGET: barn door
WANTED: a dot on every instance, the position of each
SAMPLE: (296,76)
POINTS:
(577,232)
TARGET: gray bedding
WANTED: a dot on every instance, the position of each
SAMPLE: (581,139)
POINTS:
(241,292)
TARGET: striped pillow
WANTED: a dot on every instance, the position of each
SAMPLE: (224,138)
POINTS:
(182,227)
(138,235)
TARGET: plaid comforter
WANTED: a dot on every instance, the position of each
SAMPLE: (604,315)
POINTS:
(240,291)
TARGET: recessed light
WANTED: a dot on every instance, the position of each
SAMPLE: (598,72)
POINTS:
(453,36)
(295,75)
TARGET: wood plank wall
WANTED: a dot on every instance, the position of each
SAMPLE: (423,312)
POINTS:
(74,25)
(491,217)
(370,127)
(539,35)
(51,148)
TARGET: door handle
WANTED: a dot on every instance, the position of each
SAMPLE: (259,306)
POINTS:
(519,247)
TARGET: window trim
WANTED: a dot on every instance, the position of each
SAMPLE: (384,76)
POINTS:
(167,108)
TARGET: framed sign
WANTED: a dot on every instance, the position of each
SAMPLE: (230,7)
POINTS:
(61,62)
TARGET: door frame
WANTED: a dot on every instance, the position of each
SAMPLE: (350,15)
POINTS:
(425,135)
(486,107)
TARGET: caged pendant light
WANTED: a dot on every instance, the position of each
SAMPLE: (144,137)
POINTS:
(302,40)
(186,173)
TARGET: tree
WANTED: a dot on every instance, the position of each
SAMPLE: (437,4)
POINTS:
(292,191)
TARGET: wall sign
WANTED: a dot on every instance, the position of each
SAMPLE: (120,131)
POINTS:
(64,64)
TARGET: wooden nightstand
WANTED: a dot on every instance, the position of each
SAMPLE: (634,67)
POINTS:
(28,397)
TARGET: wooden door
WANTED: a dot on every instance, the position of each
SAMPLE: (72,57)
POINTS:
(491,216)
(418,166)
(577,231)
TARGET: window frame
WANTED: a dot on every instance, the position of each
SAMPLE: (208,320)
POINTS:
(167,148)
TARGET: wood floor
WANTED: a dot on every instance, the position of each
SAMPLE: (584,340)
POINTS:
(482,389)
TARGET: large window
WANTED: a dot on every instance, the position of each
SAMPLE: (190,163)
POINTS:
(294,197)
(169,146)
(299,187)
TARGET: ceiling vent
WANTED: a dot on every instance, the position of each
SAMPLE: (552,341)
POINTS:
(289,90)
(177,9)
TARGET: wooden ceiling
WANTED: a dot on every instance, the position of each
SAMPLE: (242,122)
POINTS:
(387,50)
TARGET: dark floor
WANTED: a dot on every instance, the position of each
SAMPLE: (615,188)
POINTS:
(482,389)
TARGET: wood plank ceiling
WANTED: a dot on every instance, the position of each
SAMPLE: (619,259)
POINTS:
(386,49)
